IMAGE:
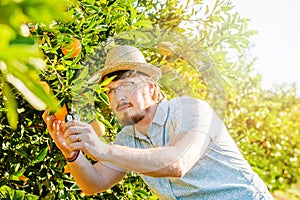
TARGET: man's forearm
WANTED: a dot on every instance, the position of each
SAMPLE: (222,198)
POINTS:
(85,175)
(153,162)
(173,160)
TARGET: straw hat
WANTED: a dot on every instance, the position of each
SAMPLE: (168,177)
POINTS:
(128,58)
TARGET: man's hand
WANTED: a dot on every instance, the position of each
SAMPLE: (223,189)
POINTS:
(82,136)
(55,129)
(90,178)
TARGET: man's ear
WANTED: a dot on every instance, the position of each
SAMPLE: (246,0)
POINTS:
(151,88)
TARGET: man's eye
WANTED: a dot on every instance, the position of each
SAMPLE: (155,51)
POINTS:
(128,86)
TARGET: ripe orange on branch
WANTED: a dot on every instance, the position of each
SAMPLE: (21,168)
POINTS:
(61,113)
(73,47)
(98,127)
(166,48)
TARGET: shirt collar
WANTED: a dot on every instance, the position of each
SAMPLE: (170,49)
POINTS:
(161,112)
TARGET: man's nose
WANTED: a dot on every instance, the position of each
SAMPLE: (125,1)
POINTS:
(120,95)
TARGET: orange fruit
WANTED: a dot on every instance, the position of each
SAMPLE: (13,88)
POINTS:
(253,99)
(98,127)
(43,40)
(23,178)
(61,113)
(74,47)
(45,86)
(165,48)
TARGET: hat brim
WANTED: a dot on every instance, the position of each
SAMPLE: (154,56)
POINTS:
(148,69)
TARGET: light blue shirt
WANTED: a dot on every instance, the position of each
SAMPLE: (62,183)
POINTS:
(221,172)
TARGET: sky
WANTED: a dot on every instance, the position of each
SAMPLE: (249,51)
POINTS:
(277,44)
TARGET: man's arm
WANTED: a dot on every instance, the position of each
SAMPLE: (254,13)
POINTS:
(95,178)
(173,160)
(196,126)
(90,178)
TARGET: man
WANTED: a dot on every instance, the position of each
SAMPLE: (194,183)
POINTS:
(180,147)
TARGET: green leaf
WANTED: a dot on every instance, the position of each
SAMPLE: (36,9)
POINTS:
(78,87)
(141,192)
(22,40)
(41,156)
(107,123)
(18,195)
(31,197)
(21,52)
(6,191)
(7,34)
(107,81)
(74,187)
(32,91)
(144,23)
(10,104)
(83,74)
(226,8)
(104,98)
(20,173)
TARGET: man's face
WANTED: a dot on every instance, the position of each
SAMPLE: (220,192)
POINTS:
(130,99)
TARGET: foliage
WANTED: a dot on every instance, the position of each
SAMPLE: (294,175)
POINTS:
(8,193)
(36,166)
(265,125)
(20,54)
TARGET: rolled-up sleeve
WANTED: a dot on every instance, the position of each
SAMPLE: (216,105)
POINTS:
(197,115)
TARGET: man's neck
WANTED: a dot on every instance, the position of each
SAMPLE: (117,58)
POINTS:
(143,125)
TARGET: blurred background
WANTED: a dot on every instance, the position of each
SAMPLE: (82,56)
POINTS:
(277,44)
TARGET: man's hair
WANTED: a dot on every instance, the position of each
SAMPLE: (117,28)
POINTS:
(158,95)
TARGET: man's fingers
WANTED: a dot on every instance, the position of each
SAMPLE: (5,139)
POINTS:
(55,126)
(74,130)
(76,146)
(73,139)
(45,115)
(49,122)
(81,146)
(74,123)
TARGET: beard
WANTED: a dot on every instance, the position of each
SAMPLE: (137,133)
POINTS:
(131,118)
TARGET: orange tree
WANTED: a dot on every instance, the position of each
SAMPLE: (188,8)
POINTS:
(35,165)
(31,163)
(265,125)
